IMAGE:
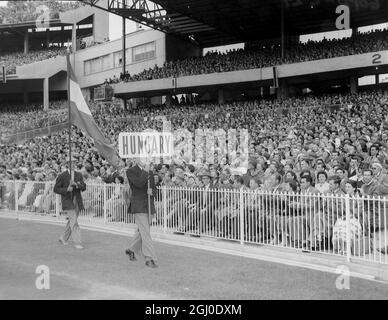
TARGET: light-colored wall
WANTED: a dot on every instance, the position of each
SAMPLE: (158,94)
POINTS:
(284,71)
(150,85)
(42,69)
(132,40)
(50,67)
(101,19)
(334,64)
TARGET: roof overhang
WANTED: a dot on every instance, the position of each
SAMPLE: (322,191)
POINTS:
(214,22)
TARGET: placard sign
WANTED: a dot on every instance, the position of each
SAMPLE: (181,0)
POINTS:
(145,144)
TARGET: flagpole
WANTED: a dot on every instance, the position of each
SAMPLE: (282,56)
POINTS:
(68,106)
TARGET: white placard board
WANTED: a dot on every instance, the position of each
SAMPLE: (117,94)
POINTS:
(145,144)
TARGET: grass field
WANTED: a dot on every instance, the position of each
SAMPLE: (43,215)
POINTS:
(102,271)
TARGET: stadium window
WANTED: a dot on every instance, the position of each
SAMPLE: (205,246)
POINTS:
(93,65)
(106,62)
(383,78)
(85,26)
(117,59)
(367,80)
(128,56)
(86,68)
(143,52)
(98,64)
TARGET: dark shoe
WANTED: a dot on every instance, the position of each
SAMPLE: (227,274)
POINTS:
(62,241)
(151,264)
(306,248)
(131,255)
(317,247)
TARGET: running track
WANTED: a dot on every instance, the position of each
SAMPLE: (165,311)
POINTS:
(102,271)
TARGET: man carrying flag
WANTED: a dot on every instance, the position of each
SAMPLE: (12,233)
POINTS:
(141,181)
(69,185)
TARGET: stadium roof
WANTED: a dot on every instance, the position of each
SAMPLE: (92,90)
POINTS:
(220,22)
(29,24)
(13,31)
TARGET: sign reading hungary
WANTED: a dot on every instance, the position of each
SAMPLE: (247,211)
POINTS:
(145,144)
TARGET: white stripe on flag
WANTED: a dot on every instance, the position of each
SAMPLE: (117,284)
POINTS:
(78,99)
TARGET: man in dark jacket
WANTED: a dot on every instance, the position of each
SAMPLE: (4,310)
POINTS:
(142,206)
(70,187)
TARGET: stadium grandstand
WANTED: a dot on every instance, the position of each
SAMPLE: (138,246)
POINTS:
(315,172)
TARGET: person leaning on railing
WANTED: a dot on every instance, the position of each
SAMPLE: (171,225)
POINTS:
(286,209)
(378,220)
(116,204)
(28,194)
(39,189)
(176,200)
(302,229)
(225,211)
(2,191)
(254,221)
(340,234)
(207,202)
(49,198)
(272,206)
(369,188)
(3,169)
(333,207)
(9,195)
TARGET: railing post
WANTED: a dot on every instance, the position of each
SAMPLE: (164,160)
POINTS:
(16,196)
(241,205)
(164,211)
(57,205)
(104,191)
(348,238)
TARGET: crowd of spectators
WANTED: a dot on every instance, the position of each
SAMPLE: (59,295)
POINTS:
(265,56)
(313,129)
(21,11)
(329,144)
(13,59)
(16,118)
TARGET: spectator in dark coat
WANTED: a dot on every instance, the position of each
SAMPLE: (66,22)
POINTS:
(70,185)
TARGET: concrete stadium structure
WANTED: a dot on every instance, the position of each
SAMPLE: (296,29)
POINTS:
(102,61)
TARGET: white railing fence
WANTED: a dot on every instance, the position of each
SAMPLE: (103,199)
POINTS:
(352,227)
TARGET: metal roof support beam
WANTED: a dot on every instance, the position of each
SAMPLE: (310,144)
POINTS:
(138,8)
(196,30)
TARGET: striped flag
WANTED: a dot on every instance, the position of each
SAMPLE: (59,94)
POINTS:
(82,118)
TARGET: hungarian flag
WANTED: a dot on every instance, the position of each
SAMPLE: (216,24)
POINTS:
(82,118)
